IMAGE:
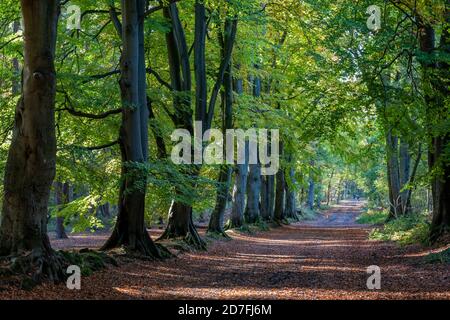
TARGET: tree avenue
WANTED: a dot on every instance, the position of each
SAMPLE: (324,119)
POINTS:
(163,126)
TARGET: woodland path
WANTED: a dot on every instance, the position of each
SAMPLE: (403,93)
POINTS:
(322,259)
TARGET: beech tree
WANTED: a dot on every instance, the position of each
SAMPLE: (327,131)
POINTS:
(130,230)
(31,164)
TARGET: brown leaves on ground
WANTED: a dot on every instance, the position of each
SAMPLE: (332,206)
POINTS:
(323,259)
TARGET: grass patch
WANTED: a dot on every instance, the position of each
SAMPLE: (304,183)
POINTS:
(373,216)
(307,214)
(404,230)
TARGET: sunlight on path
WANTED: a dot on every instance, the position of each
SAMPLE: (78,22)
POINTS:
(322,259)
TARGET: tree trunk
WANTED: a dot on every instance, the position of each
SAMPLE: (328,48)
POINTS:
(30,168)
(310,201)
(217,217)
(267,194)
(240,183)
(279,212)
(404,169)
(130,230)
(180,223)
(267,197)
(329,188)
(291,205)
(253,193)
(393,175)
(240,180)
(437,80)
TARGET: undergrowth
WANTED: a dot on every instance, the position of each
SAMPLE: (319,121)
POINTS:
(373,216)
(439,257)
(410,229)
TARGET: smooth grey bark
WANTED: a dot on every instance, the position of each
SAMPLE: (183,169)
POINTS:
(31,163)
(291,202)
(393,170)
(130,230)
(217,216)
(239,190)
(329,188)
(279,211)
(200,63)
(310,199)
(267,197)
(404,170)
(253,193)
(240,179)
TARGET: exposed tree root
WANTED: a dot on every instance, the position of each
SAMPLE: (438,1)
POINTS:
(141,247)
(88,260)
(33,267)
(231,225)
(218,235)
(191,238)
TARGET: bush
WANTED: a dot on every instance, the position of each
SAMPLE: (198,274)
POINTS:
(439,257)
(373,216)
(307,214)
(405,230)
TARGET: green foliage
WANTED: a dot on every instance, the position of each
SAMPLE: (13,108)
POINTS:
(373,216)
(439,257)
(404,230)
(307,214)
(88,260)
(80,213)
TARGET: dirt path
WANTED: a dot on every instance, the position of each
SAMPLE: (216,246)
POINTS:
(322,259)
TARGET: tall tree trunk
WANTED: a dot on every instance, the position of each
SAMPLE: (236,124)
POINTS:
(240,180)
(30,168)
(267,197)
(404,169)
(180,223)
(393,175)
(130,230)
(217,217)
(240,183)
(311,191)
(253,193)
(310,200)
(267,193)
(291,204)
(279,212)
(437,81)
(329,188)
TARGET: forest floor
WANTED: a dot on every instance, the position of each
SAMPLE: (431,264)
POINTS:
(326,258)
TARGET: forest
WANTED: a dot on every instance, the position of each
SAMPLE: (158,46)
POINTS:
(226,149)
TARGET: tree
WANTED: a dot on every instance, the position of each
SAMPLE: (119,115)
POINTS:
(130,230)
(229,34)
(436,79)
(31,163)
